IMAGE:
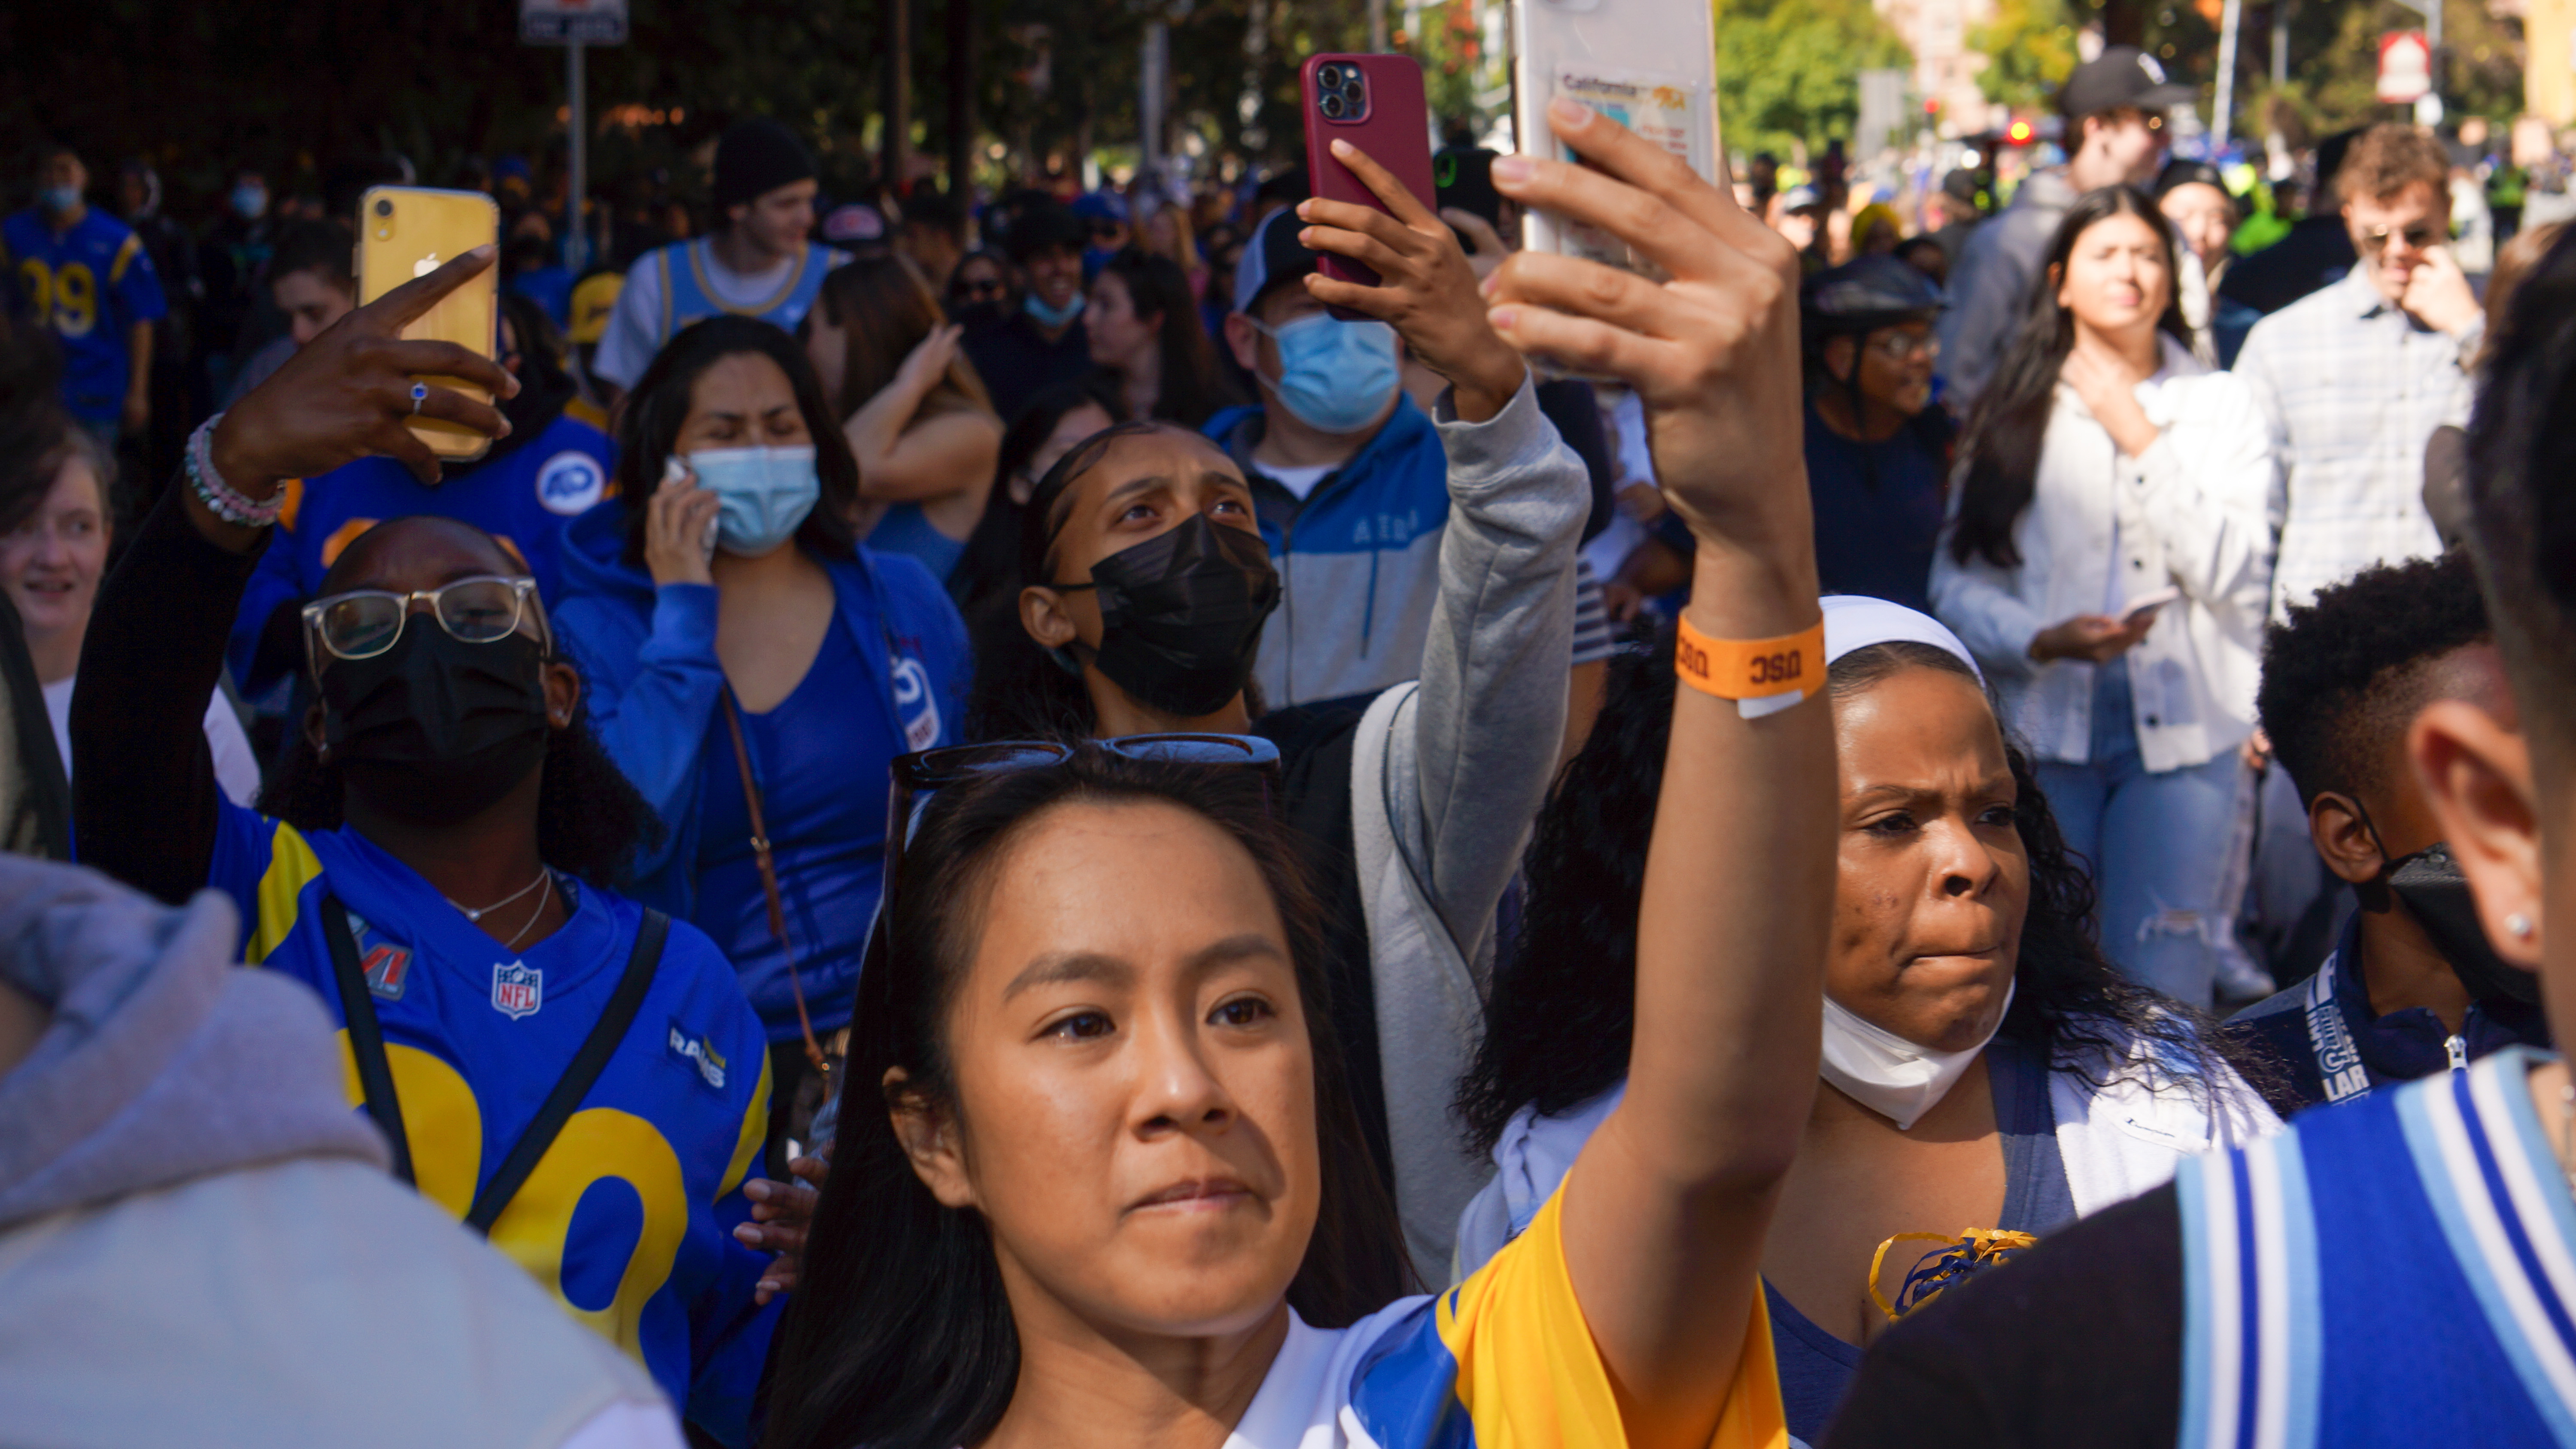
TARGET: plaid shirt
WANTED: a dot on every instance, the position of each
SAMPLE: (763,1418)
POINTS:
(2352,387)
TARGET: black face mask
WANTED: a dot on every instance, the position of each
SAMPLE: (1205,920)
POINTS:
(435,729)
(2434,892)
(1181,615)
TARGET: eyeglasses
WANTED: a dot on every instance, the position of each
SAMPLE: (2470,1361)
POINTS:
(994,287)
(364,623)
(2420,236)
(1898,346)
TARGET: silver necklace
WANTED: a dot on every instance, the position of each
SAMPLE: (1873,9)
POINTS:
(534,916)
(471,914)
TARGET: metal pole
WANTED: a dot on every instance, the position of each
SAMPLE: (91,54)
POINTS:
(1149,103)
(577,135)
(961,115)
(1377,26)
(2224,109)
(895,145)
(2281,11)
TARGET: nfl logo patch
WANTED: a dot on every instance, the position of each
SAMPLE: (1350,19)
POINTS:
(518,989)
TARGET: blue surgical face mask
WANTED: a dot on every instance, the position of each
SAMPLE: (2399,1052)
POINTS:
(1053,316)
(766,494)
(1334,377)
(249,202)
(58,199)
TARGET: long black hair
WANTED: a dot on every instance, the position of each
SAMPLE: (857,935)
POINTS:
(1564,1002)
(1190,388)
(2010,419)
(988,572)
(901,1336)
(649,428)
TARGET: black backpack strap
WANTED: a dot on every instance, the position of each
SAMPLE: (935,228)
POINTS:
(576,1082)
(366,1036)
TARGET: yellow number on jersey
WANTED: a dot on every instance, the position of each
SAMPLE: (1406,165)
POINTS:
(65,300)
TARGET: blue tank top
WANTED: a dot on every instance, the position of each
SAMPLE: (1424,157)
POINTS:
(903,529)
(1816,1368)
(825,805)
(689,296)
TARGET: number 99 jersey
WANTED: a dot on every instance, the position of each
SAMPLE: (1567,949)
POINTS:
(85,286)
(628,1218)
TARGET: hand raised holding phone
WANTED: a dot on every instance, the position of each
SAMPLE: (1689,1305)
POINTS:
(353,391)
(680,528)
(1712,351)
(1426,290)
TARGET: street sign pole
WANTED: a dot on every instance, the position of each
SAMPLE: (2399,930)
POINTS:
(576,25)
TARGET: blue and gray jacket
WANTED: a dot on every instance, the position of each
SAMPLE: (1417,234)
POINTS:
(1359,559)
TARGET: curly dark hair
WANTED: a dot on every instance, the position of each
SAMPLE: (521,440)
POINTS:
(2348,671)
(1564,1003)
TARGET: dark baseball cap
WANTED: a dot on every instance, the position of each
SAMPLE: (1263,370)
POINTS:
(2189,173)
(2121,78)
(1274,258)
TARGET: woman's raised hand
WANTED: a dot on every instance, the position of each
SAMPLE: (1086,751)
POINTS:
(1712,352)
(347,394)
(1426,290)
(930,358)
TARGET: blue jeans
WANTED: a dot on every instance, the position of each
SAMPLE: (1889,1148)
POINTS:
(2167,848)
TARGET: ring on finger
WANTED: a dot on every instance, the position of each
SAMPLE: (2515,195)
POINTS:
(419,395)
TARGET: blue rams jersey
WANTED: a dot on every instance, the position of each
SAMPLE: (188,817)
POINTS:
(628,1218)
(2395,1269)
(687,295)
(525,497)
(86,286)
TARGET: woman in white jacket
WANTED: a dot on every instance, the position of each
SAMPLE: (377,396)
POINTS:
(2108,559)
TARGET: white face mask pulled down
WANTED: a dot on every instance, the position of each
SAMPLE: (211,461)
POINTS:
(1898,1079)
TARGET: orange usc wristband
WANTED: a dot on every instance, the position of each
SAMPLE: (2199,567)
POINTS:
(1763,676)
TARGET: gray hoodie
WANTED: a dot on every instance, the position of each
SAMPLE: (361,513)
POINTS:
(198,1241)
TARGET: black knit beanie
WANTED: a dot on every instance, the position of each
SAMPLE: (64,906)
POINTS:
(757,157)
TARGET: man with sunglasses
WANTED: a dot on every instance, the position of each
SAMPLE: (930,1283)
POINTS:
(2115,106)
(2355,377)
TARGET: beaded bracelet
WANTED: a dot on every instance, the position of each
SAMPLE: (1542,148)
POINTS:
(226,502)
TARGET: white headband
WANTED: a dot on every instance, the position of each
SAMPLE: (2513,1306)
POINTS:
(1856,621)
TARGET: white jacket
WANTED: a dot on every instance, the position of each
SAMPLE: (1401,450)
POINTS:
(2200,511)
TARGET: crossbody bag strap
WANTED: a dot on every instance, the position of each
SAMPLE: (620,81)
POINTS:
(366,1035)
(577,1079)
(769,890)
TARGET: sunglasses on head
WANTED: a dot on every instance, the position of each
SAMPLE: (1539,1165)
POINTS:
(920,775)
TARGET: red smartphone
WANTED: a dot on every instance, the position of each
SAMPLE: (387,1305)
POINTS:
(1374,102)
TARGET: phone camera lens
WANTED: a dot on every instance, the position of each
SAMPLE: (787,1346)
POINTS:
(384,208)
(1332,106)
(1329,77)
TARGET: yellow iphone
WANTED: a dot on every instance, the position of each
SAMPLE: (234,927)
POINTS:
(411,231)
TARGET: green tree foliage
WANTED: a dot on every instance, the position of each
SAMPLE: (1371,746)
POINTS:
(1788,70)
(2030,49)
